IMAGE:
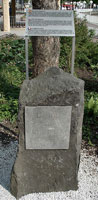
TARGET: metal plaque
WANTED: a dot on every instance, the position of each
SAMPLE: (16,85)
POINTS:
(47,127)
(50,23)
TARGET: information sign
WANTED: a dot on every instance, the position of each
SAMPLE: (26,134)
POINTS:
(50,23)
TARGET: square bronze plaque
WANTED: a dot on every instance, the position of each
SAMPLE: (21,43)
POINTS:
(47,127)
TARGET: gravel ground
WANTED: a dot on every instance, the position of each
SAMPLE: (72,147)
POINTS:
(88,177)
(7,158)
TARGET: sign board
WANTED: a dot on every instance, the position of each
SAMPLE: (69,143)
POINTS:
(50,23)
(47,127)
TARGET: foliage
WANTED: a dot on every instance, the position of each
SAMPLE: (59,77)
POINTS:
(91,104)
(12,74)
(90,129)
(26,1)
(86,50)
(94,68)
(12,63)
(65,53)
(86,57)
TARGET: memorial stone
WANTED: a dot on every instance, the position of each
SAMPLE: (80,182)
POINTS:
(44,169)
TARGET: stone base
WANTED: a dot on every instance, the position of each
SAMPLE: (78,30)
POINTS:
(49,170)
(48,174)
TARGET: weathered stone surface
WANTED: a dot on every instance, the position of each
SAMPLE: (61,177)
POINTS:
(49,170)
(47,127)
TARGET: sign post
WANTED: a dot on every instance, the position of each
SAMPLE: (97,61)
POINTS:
(50,23)
(26,53)
(73,55)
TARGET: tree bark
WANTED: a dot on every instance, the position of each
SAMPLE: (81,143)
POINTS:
(46,50)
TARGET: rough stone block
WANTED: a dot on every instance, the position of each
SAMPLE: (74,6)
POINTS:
(52,169)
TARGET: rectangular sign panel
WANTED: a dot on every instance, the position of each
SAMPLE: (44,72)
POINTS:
(47,127)
(50,23)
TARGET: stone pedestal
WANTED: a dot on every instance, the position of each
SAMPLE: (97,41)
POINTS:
(6,17)
(48,170)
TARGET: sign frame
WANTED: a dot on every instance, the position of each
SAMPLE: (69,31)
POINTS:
(55,35)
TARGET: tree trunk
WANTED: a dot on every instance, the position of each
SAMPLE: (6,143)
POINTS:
(46,49)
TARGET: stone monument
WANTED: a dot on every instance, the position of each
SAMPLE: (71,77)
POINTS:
(50,128)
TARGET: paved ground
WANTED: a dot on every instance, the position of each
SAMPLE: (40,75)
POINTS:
(18,31)
(94,27)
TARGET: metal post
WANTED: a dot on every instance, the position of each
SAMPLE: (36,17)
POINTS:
(61,5)
(73,55)
(26,53)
